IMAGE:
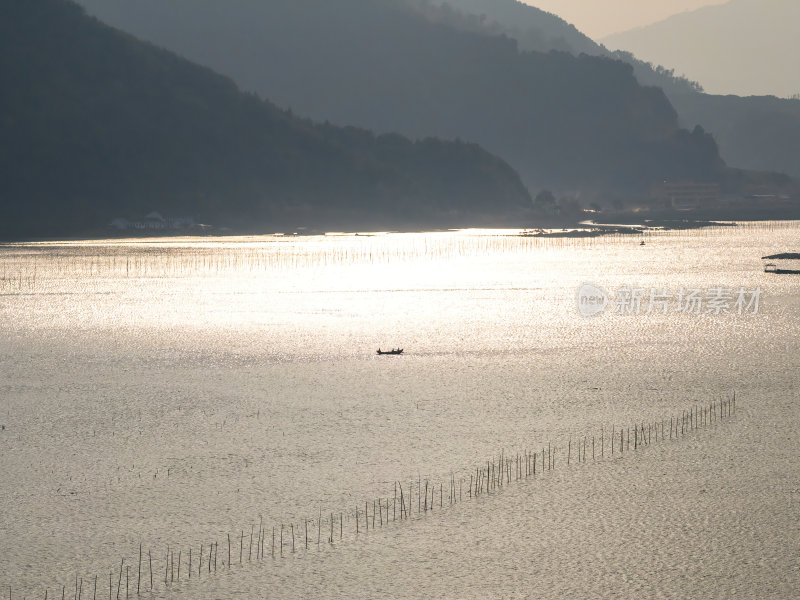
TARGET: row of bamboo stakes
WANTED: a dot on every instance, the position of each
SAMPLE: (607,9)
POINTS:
(159,258)
(150,258)
(285,539)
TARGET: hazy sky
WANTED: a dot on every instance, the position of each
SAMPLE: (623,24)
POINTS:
(598,18)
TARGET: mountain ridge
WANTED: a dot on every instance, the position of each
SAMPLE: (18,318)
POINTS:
(580,123)
(97,124)
(726,46)
(758,133)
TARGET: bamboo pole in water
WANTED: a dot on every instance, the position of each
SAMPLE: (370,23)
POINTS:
(119,581)
(250,553)
(258,542)
(139,578)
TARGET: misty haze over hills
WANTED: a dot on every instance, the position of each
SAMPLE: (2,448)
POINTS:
(96,125)
(540,31)
(564,122)
(743,47)
(761,133)
(533,28)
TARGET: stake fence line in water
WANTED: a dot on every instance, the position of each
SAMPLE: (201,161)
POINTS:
(378,513)
(154,258)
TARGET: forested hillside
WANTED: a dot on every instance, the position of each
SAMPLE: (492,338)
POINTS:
(96,124)
(756,132)
(572,123)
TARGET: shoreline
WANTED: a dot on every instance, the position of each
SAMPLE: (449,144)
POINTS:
(583,229)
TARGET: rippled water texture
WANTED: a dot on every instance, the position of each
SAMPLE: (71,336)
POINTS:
(173,392)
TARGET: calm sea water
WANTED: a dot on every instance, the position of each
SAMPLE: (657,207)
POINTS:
(173,392)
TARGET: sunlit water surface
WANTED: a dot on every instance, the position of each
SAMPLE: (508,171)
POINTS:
(174,391)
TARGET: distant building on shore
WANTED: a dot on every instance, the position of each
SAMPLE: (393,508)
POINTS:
(685,195)
(154,222)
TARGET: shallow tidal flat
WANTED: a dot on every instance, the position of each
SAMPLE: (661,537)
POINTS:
(175,392)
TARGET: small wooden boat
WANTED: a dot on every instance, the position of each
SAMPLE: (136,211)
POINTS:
(791,257)
(394,351)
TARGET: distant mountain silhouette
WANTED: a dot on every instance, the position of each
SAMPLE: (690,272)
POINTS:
(532,27)
(756,132)
(96,124)
(753,133)
(744,47)
(541,31)
(566,122)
